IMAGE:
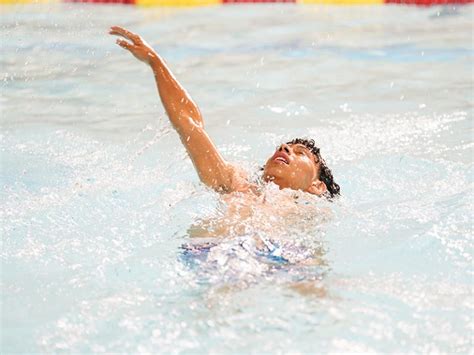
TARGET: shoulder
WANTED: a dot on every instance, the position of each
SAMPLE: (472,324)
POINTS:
(240,179)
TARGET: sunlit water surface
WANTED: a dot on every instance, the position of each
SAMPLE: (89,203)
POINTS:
(98,196)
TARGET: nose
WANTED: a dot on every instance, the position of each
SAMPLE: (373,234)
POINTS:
(284,147)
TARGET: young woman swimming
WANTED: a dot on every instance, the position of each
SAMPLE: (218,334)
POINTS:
(296,165)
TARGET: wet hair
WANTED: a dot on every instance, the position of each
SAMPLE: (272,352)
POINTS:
(325,174)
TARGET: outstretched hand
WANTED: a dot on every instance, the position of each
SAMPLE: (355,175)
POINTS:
(138,47)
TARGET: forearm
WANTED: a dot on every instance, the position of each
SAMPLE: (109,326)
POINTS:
(181,109)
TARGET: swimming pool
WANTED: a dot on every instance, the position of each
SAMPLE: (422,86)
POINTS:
(98,196)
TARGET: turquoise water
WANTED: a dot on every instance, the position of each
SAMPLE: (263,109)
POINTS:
(98,195)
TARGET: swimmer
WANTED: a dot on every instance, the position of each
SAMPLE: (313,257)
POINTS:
(295,165)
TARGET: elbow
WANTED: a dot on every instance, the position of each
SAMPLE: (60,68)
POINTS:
(187,119)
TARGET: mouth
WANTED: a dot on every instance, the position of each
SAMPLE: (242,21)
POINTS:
(281,157)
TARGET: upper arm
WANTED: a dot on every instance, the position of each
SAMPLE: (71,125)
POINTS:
(212,169)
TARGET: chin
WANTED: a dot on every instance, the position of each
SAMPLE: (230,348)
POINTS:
(272,173)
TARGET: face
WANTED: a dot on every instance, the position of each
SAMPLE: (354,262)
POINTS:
(294,166)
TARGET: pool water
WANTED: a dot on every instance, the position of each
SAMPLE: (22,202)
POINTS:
(100,202)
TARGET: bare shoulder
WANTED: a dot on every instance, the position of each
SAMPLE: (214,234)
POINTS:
(240,179)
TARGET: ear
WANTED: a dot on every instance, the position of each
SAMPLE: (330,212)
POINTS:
(317,188)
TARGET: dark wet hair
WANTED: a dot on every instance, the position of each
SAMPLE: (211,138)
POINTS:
(325,174)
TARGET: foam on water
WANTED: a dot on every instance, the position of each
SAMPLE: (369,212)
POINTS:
(98,197)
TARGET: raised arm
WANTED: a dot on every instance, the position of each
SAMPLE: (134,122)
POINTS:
(184,116)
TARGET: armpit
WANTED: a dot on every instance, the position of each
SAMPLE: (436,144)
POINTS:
(240,179)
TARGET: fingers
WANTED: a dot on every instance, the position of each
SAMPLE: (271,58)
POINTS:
(120,31)
(124,44)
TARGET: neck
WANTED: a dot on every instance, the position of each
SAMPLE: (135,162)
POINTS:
(277,181)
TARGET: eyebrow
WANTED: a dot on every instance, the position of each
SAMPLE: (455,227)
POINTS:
(302,146)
